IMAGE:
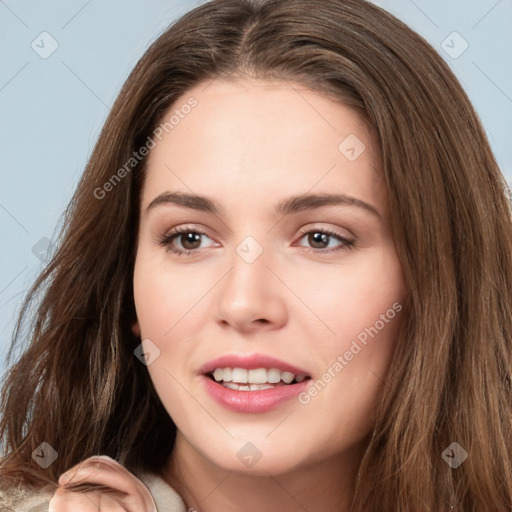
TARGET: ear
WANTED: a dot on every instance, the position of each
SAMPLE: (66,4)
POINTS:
(136,328)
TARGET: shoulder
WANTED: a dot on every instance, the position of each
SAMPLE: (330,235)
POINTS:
(166,498)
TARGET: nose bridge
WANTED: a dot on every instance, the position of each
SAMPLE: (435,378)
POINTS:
(250,294)
(248,282)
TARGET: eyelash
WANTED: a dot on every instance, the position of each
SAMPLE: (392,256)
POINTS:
(167,239)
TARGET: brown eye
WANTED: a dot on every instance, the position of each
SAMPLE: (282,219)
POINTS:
(323,241)
(185,241)
(190,240)
(318,240)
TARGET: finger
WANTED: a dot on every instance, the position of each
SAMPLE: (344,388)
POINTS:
(102,470)
(67,501)
(73,473)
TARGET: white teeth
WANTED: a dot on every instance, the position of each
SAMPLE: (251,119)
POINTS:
(274,376)
(230,385)
(287,377)
(247,387)
(239,375)
(258,376)
(254,377)
(263,386)
(218,374)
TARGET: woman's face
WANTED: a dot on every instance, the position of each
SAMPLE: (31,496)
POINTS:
(285,269)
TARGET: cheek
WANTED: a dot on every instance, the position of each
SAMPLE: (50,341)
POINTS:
(350,300)
(164,299)
(171,310)
(365,311)
(362,306)
(163,302)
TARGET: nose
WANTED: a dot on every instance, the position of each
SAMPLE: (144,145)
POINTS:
(250,298)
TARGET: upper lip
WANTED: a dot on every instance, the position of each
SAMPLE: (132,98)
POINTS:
(250,362)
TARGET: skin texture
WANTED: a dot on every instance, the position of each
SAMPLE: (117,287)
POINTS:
(248,145)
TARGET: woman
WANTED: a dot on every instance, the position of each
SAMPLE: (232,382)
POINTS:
(285,283)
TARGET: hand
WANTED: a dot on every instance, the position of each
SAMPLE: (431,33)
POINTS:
(100,483)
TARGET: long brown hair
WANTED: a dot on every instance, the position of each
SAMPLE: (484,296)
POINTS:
(78,386)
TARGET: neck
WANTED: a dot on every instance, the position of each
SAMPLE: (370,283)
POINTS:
(327,485)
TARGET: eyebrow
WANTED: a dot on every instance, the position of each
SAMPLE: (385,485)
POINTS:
(288,206)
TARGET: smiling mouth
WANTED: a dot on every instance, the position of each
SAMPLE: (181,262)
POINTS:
(258,379)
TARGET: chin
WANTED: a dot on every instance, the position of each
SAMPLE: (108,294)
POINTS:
(257,458)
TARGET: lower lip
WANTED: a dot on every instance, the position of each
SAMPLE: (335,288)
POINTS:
(252,402)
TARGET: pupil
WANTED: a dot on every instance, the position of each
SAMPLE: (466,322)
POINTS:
(319,238)
(191,239)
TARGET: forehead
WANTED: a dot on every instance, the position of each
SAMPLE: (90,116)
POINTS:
(255,140)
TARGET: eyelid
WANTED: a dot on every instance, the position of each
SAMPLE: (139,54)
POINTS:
(345,242)
(185,228)
(321,227)
(166,239)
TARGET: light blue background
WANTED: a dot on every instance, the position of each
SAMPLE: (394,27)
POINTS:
(51,110)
